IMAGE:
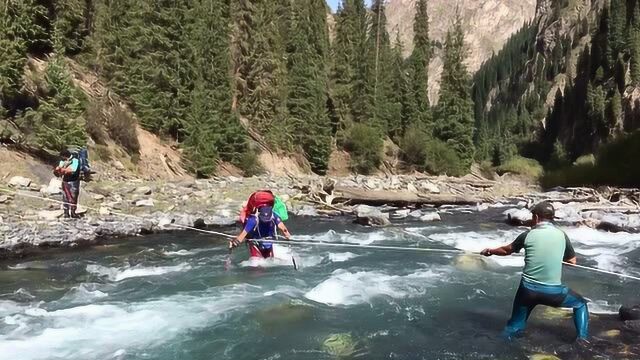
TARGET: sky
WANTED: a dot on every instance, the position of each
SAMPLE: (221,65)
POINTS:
(334,4)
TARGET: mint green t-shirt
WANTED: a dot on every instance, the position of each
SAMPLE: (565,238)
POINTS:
(74,164)
(545,248)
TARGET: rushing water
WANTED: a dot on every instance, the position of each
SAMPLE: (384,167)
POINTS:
(170,296)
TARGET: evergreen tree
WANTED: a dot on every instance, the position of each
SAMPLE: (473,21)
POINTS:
(261,70)
(343,69)
(213,131)
(420,58)
(361,102)
(307,83)
(634,45)
(400,92)
(454,114)
(617,28)
(379,69)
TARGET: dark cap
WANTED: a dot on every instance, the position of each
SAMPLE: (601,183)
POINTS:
(265,214)
(544,210)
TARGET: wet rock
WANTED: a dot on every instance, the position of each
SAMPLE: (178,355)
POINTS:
(50,215)
(401,214)
(433,216)
(619,223)
(610,333)
(371,216)
(19,181)
(199,224)
(632,326)
(543,357)
(340,345)
(281,316)
(144,203)
(629,313)
(518,217)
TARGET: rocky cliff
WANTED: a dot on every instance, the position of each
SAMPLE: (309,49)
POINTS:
(488,23)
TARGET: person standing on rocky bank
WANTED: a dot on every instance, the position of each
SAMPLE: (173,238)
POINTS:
(546,248)
(69,169)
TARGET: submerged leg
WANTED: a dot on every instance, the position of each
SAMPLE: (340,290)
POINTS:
(519,315)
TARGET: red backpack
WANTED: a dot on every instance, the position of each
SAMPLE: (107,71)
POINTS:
(257,200)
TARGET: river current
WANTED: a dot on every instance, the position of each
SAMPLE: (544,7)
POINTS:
(181,296)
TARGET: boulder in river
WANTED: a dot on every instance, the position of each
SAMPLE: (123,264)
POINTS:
(629,312)
(518,217)
(340,345)
(371,216)
(619,223)
(19,181)
(432,216)
(401,214)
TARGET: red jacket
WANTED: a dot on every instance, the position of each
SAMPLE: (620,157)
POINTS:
(257,200)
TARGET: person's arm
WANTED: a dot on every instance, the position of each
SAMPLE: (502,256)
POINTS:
(243,234)
(284,230)
(509,249)
(569,253)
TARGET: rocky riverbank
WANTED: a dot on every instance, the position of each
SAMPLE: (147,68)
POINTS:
(31,215)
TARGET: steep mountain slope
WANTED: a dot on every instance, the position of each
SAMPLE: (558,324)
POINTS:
(488,24)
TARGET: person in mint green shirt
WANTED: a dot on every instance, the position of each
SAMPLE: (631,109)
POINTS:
(69,170)
(546,247)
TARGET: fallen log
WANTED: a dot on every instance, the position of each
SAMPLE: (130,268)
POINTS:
(399,198)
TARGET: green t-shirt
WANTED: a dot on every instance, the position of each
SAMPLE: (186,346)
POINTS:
(545,248)
(73,166)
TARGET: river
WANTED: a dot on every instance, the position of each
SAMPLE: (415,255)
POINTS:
(180,296)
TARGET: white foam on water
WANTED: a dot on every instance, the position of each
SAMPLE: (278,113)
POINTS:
(475,242)
(353,238)
(100,331)
(83,293)
(351,288)
(341,257)
(184,252)
(283,256)
(118,274)
(606,249)
(603,307)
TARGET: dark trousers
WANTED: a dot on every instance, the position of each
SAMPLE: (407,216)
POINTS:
(70,192)
(531,294)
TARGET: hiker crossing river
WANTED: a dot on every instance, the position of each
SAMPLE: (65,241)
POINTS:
(170,295)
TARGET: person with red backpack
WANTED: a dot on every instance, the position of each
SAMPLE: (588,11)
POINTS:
(260,221)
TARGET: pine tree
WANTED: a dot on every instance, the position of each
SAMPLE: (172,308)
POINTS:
(400,93)
(213,131)
(420,58)
(617,28)
(307,96)
(634,45)
(261,70)
(343,70)
(360,104)
(379,68)
(454,114)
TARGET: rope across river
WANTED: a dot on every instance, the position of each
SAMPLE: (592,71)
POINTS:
(293,241)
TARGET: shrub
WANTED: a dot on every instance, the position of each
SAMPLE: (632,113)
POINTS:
(414,147)
(122,129)
(522,166)
(443,159)
(250,164)
(365,145)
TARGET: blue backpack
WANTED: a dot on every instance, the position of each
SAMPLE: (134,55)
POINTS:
(82,154)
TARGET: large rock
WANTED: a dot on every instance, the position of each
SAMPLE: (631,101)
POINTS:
(432,216)
(19,181)
(401,214)
(54,187)
(629,313)
(50,215)
(371,216)
(144,203)
(518,217)
(619,223)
